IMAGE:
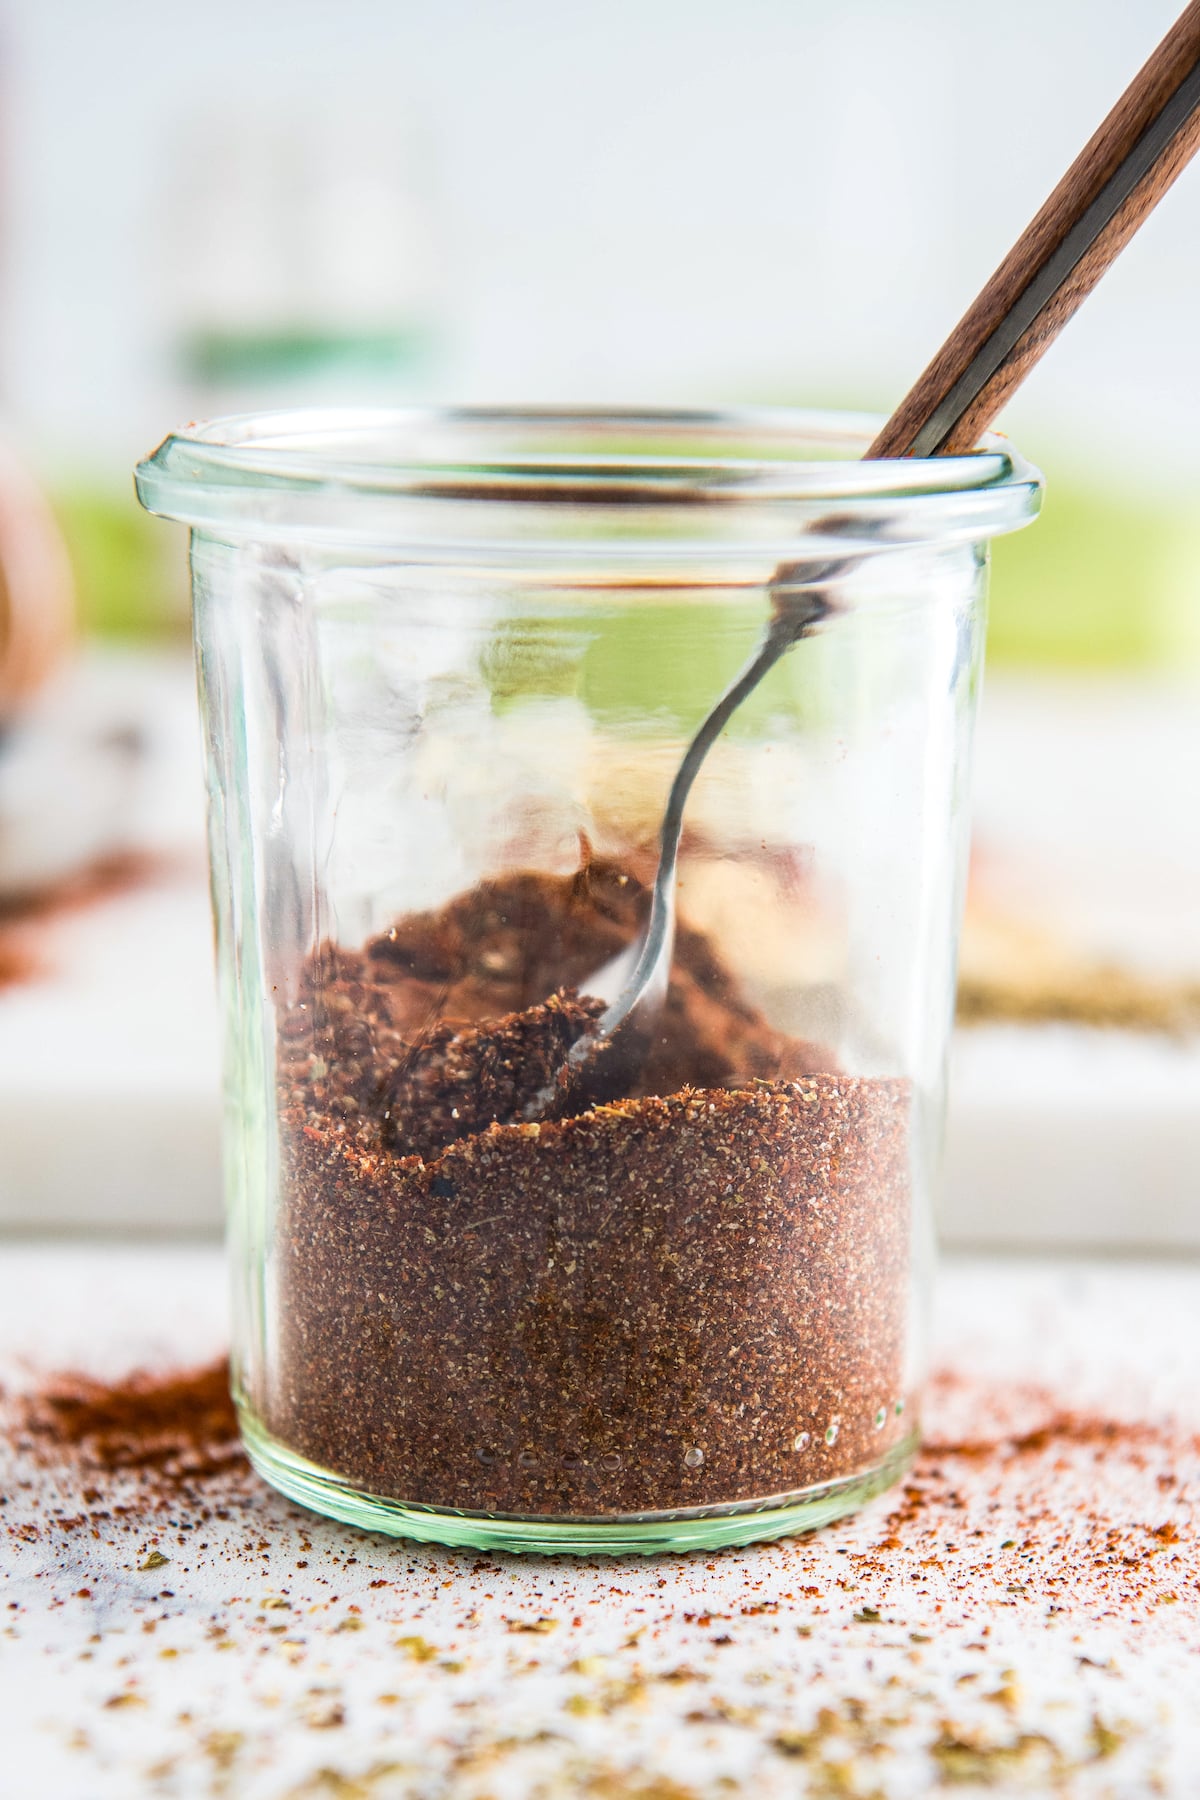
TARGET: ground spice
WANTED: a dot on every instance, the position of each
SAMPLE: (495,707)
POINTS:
(460,1082)
(179,1424)
(694,1294)
(1013,971)
(1025,1597)
(1099,995)
(26,917)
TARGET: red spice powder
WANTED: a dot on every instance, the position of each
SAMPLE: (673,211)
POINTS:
(17,962)
(1041,1510)
(24,917)
(1062,1427)
(178,1426)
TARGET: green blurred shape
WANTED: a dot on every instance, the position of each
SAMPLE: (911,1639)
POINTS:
(1100,581)
(658,667)
(130,570)
(281,355)
(665,662)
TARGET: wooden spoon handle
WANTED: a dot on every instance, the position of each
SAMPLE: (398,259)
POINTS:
(1115,182)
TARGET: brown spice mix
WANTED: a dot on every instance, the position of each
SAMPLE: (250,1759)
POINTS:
(693,1295)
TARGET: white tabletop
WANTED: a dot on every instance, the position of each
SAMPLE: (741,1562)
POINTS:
(1023,1613)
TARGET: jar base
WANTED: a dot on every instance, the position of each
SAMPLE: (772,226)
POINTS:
(626,1534)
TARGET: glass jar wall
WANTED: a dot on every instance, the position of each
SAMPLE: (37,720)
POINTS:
(501,1280)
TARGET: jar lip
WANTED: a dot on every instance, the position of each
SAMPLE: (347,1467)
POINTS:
(284,468)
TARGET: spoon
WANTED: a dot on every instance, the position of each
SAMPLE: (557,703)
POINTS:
(1111,187)
(634,983)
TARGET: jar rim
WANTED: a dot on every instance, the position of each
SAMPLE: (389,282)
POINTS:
(334,472)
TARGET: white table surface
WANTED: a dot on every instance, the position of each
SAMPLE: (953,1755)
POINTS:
(1023,1615)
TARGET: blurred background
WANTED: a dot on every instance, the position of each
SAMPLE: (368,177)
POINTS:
(665,201)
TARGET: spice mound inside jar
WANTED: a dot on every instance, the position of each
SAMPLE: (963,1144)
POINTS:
(460,1081)
(693,1294)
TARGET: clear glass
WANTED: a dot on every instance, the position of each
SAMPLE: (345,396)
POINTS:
(448,665)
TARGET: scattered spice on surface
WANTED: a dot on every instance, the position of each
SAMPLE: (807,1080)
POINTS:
(1015,971)
(18,962)
(179,1425)
(1103,997)
(1075,1675)
(25,917)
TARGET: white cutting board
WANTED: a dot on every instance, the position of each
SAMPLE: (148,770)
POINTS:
(109,1082)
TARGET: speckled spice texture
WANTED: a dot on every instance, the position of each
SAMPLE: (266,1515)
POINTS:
(662,1303)
(694,1296)
(1023,1617)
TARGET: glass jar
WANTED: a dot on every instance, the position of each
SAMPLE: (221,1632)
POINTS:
(448,665)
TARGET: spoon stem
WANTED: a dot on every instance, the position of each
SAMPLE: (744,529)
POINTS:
(1111,187)
(795,612)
